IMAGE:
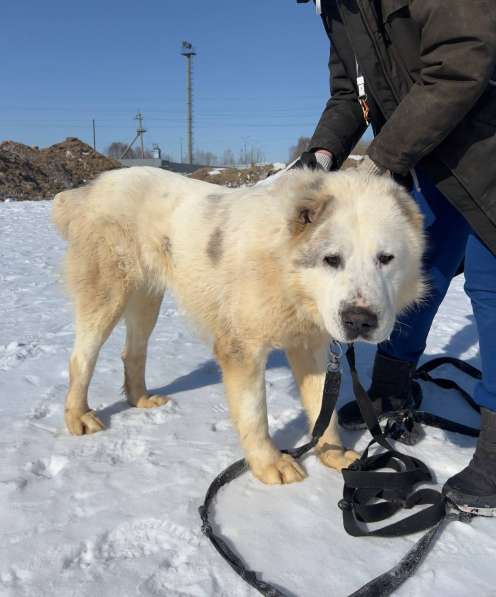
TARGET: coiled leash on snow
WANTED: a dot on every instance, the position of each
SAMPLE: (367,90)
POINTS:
(369,496)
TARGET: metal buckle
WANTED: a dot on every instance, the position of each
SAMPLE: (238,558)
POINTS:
(454,513)
(335,354)
(345,505)
(402,426)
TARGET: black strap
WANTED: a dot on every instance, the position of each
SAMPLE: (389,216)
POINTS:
(387,583)
(364,485)
(423,373)
(236,563)
(369,496)
(432,420)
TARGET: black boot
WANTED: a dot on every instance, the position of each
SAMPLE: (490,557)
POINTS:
(392,390)
(474,489)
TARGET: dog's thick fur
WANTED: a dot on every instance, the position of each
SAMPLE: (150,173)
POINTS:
(250,267)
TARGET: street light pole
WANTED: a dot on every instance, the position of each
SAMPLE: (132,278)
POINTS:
(188,52)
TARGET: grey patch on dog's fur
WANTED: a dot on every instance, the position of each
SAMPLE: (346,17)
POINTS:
(312,255)
(214,246)
(214,197)
(214,208)
(236,351)
(316,185)
(230,349)
(308,259)
(167,245)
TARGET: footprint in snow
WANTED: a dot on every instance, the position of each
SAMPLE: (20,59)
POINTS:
(135,539)
(47,468)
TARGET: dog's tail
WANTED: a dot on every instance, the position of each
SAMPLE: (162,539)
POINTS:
(67,207)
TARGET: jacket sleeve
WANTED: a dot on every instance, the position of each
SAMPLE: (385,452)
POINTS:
(342,123)
(458,53)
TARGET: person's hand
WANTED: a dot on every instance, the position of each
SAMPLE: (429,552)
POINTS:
(321,159)
(368,166)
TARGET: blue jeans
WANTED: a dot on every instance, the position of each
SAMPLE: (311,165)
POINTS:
(449,239)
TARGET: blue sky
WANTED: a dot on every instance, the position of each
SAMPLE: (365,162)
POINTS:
(260,76)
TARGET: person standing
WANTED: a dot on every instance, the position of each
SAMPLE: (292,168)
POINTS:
(422,73)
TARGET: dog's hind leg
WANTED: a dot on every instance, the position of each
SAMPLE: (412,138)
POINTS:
(95,316)
(244,383)
(308,366)
(140,316)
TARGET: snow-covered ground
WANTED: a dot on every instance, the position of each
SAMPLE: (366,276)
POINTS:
(116,513)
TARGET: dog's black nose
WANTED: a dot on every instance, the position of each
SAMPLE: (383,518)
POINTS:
(358,321)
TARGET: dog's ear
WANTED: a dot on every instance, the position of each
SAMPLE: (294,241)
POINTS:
(305,196)
(409,208)
(306,213)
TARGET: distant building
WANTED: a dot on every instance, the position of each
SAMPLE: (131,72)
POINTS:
(157,162)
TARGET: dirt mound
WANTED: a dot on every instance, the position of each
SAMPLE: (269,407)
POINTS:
(232,177)
(32,173)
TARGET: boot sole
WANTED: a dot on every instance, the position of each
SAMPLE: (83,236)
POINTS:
(488,512)
(471,504)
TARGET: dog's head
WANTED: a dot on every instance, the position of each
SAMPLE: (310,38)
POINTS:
(356,248)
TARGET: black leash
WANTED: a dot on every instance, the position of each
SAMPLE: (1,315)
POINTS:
(424,373)
(330,396)
(369,496)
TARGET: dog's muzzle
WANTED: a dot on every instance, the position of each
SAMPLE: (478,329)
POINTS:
(358,322)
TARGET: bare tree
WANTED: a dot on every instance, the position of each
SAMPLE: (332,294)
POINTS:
(117,148)
(228,158)
(204,158)
(299,148)
(253,155)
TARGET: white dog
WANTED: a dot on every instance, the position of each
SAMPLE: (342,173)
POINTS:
(312,257)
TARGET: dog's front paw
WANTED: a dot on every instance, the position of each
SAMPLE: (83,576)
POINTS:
(151,401)
(336,456)
(82,423)
(285,469)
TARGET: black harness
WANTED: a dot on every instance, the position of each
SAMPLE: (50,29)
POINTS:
(371,494)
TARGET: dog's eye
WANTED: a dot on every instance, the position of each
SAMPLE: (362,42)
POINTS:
(385,258)
(334,261)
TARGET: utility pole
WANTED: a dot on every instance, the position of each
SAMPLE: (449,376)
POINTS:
(139,133)
(244,150)
(94,135)
(188,52)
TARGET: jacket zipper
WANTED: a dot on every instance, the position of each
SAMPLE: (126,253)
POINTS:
(338,6)
(377,51)
(384,72)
